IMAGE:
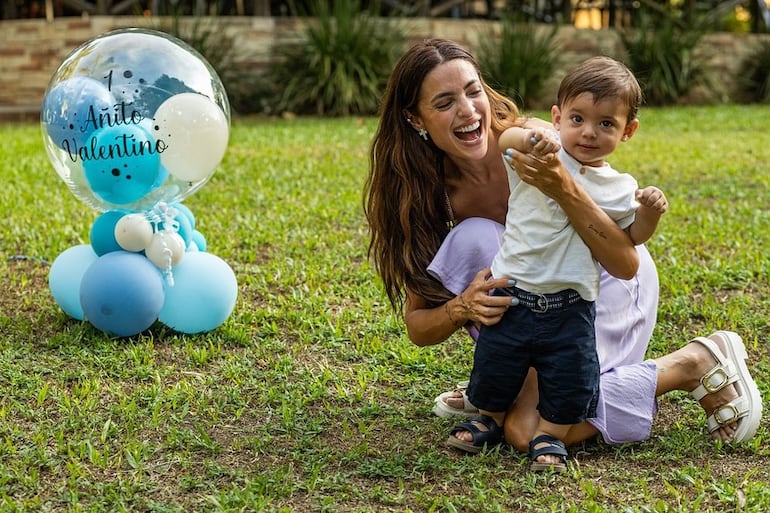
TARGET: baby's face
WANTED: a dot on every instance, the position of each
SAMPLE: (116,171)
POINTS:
(591,131)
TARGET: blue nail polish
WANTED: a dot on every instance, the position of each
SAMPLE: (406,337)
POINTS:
(511,282)
(509,151)
(507,158)
(515,301)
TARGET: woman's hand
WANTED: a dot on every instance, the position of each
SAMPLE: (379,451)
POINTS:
(479,305)
(428,325)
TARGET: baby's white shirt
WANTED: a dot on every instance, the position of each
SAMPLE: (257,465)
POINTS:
(540,248)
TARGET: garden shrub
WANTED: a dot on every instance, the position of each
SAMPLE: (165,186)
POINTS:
(754,77)
(661,52)
(521,60)
(342,62)
(245,91)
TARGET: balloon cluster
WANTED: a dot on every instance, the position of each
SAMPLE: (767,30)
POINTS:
(135,121)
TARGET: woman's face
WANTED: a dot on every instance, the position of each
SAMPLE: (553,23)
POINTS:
(454,108)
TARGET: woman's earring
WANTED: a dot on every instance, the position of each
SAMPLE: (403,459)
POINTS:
(421,131)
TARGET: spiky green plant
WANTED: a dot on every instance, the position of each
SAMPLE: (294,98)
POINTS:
(523,58)
(342,62)
(754,78)
(661,52)
(207,35)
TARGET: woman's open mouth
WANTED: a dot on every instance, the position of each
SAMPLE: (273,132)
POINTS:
(470,132)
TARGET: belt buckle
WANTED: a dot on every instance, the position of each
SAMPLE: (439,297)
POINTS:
(541,304)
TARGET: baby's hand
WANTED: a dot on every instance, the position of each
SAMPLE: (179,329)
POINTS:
(545,143)
(652,197)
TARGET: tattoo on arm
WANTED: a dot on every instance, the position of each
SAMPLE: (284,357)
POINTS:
(597,231)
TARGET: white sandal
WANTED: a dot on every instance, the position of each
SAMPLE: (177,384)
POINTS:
(443,410)
(746,409)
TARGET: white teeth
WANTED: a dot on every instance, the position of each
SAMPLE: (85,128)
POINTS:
(469,128)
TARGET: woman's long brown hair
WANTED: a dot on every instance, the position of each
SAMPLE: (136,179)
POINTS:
(404,194)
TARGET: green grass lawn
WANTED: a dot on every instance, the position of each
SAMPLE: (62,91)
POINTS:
(310,396)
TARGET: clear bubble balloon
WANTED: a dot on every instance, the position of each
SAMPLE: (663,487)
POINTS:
(99,122)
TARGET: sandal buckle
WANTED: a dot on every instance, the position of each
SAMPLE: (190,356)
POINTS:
(710,384)
(731,410)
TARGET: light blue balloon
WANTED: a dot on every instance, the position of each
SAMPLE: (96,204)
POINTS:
(185,211)
(65,276)
(186,223)
(199,240)
(122,293)
(160,179)
(72,109)
(124,165)
(184,228)
(203,295)
(102,234)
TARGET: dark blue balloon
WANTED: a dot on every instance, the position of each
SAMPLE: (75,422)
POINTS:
(70,108)
(122,293)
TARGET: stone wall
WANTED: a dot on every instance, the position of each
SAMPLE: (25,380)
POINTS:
(31,50)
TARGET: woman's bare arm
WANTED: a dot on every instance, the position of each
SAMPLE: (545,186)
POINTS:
(428,326)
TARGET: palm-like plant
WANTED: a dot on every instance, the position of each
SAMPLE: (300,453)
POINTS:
(754,82)
(662,53)
(341,65)
(521,60)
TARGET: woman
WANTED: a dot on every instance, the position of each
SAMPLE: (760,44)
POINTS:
(435,162)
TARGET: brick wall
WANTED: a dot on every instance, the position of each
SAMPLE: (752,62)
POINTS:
(31,50)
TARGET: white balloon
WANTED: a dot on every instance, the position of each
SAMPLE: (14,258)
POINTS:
(195,131)
(133,232)
(166,249)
